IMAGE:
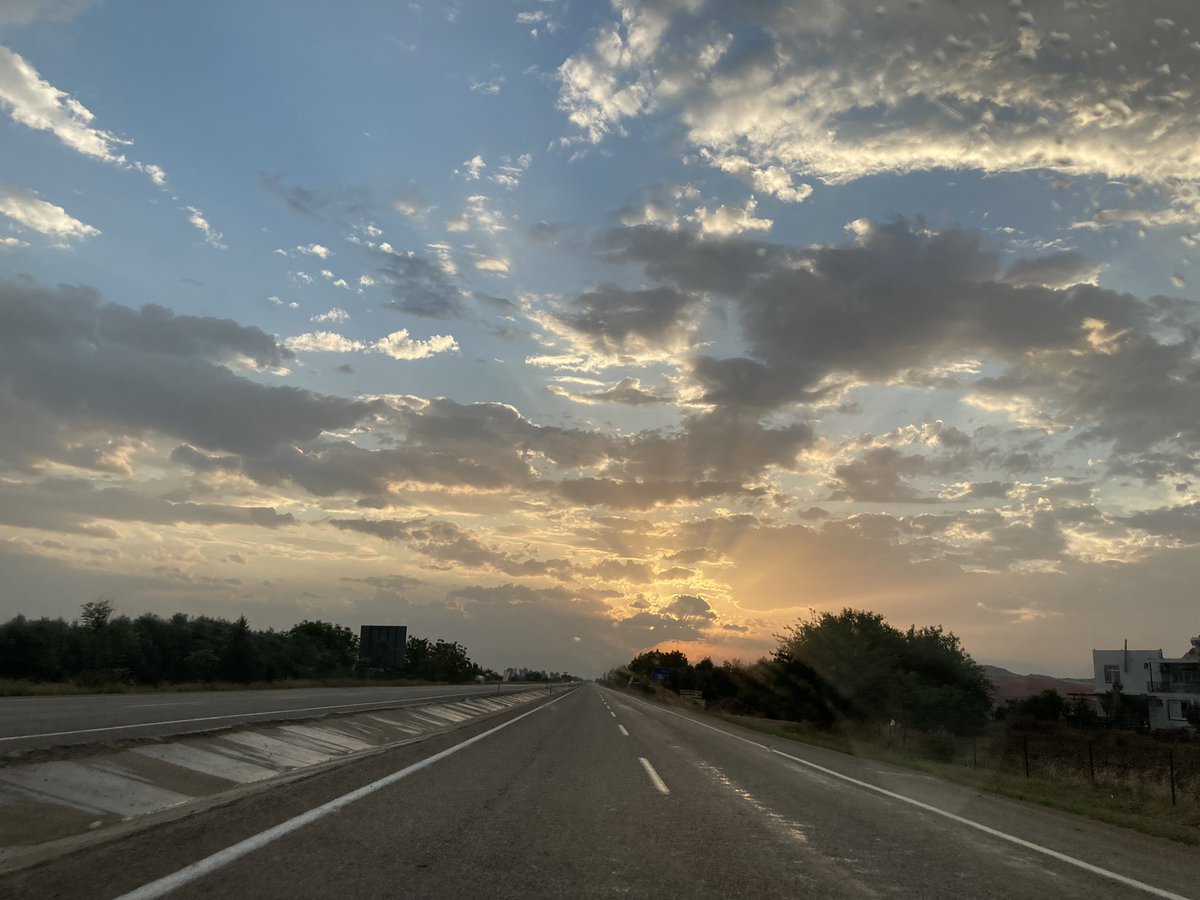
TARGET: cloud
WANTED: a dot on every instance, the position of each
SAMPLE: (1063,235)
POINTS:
(36,103)
(627,391)
(1059,270)
(323,342)
(840,92)
(314,250)
(492,264)
(29,211)
(510,171)
(473,168)
(350,205)
(418,285)
(446,545)
(726,220)
(411,202)
(899,302)
(398,345)
(336,314)
(73,369)
(488,88)
(77,505)
(477,216)
(612,326)
(212,237)
(772,180)
(685,606)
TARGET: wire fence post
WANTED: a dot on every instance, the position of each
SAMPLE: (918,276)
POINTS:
(1025,747)
(1091,763)
(1171,771)
(974,752)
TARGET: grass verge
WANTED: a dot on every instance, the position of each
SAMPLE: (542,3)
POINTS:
(1127,810)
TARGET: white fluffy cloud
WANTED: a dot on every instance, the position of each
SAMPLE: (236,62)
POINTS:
(323,342)
(38,104)
(31,212)
(34,102)
(212,237)
(726,220)
(337,314)
(397,345)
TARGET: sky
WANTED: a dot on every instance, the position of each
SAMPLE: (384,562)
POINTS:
(568,330)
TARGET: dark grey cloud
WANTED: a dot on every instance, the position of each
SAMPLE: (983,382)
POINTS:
(687,606)
(348,204)
(75,370)
(1181,523)
(880,475)
(614,323)
(447,546)
(693,555)
(722,445)
(1059,270)
(486,446)
(418,284)
(73,505)
(642,494)
(900,298)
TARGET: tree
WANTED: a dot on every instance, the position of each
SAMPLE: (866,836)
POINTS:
(325,648)
(857,665)
(95,613)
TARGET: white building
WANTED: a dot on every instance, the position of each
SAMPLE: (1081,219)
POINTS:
(1167,687)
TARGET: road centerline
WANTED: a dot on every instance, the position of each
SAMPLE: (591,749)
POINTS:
(657,781)
(623,731)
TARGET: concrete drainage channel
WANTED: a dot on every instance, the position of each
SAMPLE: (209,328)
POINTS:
(55,806)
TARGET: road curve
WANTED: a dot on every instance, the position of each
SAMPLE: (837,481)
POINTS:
(596,794)
(28,723)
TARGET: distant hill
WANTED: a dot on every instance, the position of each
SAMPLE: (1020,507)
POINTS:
(1011,686)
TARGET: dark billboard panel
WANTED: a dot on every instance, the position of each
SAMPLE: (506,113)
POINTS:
(383,645)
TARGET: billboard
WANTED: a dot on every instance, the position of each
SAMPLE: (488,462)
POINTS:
(382,646)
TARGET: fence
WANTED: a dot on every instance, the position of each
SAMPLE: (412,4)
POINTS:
(1122,761)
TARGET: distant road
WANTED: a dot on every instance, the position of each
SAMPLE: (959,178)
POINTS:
(595,794)
(35,722)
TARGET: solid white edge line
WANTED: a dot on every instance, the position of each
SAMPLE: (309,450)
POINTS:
(623,731)
(986,829)
(266,712)
(163,886)
(654,779)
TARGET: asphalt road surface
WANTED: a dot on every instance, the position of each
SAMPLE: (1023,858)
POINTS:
(33,722)
(595,794)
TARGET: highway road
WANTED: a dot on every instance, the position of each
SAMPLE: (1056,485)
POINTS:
(35,722)
(597,794)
